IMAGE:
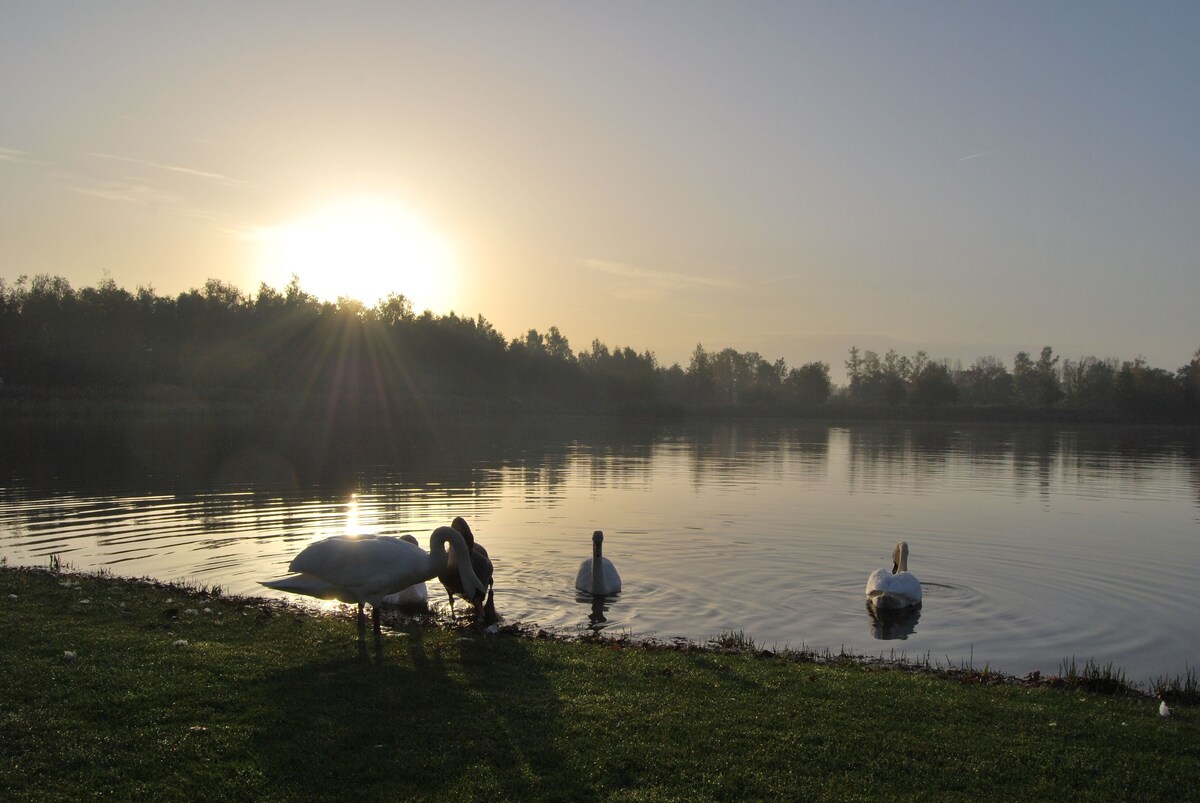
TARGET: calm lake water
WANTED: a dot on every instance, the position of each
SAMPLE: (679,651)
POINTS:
(1033,544)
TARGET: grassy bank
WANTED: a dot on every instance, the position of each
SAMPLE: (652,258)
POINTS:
(143,691)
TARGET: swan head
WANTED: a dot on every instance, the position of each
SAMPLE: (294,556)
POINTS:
(460,525)
(900,557)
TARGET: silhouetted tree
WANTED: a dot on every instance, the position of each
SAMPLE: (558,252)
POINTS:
(810,384)
(1088,383)
(933,387)
(1147,392)
(1189,385)
(987,382)
(1024,376)
(701,377)
(1048,391)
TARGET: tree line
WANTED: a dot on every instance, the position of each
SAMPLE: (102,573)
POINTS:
(1102,387)
(343,356)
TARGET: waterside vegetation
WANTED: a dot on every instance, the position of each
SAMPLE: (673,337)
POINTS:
(286,348)
(136,689)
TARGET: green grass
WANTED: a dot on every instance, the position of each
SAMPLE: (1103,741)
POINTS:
(265,702)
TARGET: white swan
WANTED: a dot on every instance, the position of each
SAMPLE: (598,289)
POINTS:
(365,569)
(898,588)
(416,595)
(597,575)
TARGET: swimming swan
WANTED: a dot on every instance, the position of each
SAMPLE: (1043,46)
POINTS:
(899,590)
(597,575)
(481,565)
(367,568)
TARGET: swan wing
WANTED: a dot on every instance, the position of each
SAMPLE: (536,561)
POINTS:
(906,585)
(878,582)
(612,580)
(583,579)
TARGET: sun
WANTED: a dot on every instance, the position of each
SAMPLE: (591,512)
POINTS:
(361,248)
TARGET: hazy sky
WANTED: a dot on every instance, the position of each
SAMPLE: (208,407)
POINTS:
(792,178)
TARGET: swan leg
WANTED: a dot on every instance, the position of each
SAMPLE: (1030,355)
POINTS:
(361,619)
(375,618)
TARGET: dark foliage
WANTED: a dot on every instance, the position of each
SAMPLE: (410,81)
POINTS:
(344,359)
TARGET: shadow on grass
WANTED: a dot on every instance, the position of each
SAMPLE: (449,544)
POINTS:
(426,714)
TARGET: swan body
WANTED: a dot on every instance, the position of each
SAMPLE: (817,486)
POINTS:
(597,575)
(365,569)
(416,595)
(898,588)
(482,567)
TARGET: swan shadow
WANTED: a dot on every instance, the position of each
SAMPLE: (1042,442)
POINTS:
(430,704)
(895,623)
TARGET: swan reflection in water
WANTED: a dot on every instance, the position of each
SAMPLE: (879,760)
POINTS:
(600,604)
(893,623)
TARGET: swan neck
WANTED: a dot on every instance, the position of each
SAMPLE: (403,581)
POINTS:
(438,557)
(462,555)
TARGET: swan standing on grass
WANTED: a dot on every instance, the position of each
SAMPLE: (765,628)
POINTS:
(597,575)
(481,565)
(367,568)
(898,588)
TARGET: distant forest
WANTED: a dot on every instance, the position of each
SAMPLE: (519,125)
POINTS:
(344,358)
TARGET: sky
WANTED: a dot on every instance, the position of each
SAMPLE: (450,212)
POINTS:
(793,178)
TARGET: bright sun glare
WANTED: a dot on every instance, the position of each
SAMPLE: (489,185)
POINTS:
(363,249)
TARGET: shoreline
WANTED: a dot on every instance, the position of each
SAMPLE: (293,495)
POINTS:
(142,690)
(1090,677)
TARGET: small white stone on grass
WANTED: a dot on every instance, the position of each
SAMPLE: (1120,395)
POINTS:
(1163,709)
(69,656)
(182,642)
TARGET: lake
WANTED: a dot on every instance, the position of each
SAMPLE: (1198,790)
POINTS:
(1033,544)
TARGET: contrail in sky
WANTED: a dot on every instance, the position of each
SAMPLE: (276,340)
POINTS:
(217,177)
(658,278)
(984,153)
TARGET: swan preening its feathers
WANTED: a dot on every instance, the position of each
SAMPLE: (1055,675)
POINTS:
(597,575)
(896,589)
(365,569)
